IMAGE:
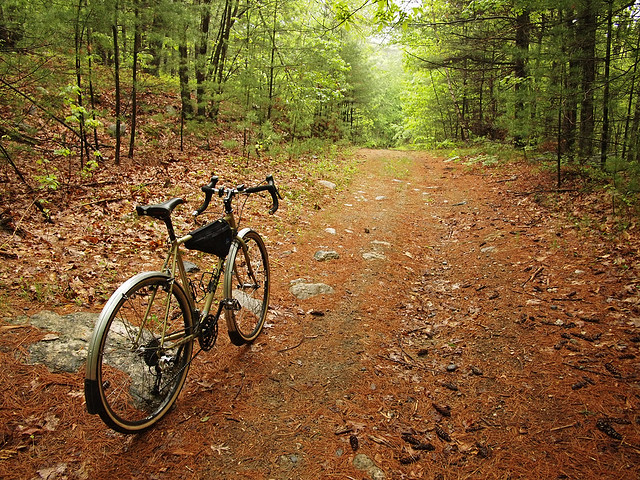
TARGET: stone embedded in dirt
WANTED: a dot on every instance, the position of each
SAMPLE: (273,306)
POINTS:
(489,249)
(66,350)
(190,267)
(111,128)
(326,255)
(289,462)
(328,184)
(373,256)
(304,291)
(330,231)
(381,243)
(362,462)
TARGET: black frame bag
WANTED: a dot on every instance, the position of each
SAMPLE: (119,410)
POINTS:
(214,237)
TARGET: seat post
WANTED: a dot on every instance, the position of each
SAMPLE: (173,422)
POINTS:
(169,224)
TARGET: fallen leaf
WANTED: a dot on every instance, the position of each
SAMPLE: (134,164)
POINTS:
(220,448)
(52,472)
(181,452)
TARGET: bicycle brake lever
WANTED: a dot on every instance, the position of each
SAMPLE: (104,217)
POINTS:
(208,190)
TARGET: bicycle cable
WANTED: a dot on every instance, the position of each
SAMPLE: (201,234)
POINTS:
(240,209)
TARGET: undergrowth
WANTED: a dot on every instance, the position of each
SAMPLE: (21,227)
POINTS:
(613,190)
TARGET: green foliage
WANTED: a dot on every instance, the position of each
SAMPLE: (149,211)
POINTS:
(522,72)
(90,167)
(623,184)
(283,71)
(48,178)
(37,291)
(230,144)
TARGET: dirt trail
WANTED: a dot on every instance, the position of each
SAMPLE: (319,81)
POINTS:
(486,338)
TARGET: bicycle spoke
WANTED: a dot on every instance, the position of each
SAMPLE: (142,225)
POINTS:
(141,373)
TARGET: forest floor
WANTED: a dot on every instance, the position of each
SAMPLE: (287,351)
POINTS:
(493,335)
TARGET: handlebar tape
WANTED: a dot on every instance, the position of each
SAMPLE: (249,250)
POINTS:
(271,188)
(208,190)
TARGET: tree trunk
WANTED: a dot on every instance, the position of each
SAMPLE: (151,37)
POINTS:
(78,52)
(604,144)
(137,45)
(229,16)
(155,49)
(92,96)
(201,57)
(520,71)
(634,148)
(570,81)
(116,66)
(440,107)
(183,73)
(272,62)
(459,114)
(587,34)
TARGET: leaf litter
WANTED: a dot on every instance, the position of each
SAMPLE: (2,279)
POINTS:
(514,403)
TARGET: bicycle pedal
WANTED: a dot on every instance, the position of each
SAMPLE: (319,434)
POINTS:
(232,304)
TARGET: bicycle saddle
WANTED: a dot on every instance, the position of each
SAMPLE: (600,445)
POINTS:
(161,211)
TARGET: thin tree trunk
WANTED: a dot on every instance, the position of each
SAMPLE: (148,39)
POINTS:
(559,140)
(155,49)
(229,17)
(570,82)
(604,144)
(91,92)
(635,134)
(78,52)
(201,58)
(272,62)
(522,49)
(440,107)
(183,73)
(116,56)
(459,113)
(245,130)
(137,45)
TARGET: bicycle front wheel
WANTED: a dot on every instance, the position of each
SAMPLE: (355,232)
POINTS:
(140,353)
(246,283)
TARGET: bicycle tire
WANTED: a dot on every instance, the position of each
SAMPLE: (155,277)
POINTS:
(133,376)
(246,281)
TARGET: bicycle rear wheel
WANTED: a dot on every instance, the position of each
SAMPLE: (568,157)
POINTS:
(137,361)
(246,281)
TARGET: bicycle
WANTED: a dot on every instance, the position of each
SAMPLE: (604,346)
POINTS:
(142,344)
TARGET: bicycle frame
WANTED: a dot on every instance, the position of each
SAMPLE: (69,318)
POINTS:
(142,344)
(173,260)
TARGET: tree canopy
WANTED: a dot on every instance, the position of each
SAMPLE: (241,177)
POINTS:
(558,75)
